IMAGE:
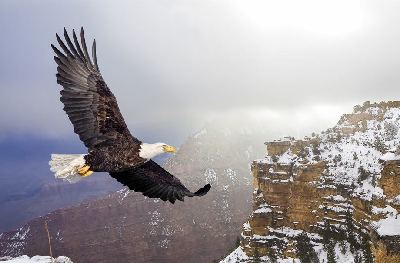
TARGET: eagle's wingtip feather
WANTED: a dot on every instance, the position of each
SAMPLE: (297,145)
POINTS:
(204,190)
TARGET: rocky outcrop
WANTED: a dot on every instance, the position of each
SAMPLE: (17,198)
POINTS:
(331,197)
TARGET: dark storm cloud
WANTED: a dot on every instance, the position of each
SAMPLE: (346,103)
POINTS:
(175,64)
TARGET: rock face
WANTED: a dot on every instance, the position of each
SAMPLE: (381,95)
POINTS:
(127,227)
(331,197)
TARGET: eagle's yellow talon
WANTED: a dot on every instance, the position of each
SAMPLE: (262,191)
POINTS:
(84,171)
(87,173)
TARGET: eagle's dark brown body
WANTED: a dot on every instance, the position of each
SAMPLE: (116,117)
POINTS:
(108,158)
(95,115)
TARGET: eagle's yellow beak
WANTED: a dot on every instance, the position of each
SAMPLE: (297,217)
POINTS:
(169,149)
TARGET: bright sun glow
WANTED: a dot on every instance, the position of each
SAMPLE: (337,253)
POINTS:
(321,17)
(309,114)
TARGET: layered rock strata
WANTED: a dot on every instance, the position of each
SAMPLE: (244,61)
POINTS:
(330,197)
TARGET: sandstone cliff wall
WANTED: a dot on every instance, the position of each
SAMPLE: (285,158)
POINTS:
(332,196)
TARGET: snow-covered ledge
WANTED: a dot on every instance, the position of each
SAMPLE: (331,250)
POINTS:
(391,155)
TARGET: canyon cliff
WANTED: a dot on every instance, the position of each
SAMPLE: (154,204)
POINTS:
(330,197)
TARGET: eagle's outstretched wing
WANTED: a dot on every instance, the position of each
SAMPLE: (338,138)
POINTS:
(89,103)
(155,182)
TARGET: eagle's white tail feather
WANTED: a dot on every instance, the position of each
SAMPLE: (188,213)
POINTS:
(65,166)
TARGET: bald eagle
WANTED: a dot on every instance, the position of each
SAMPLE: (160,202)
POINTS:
(93,110)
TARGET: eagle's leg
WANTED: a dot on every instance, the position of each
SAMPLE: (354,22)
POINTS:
(85,170)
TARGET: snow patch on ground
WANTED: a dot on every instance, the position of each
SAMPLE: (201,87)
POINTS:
(35,259)
(238,255)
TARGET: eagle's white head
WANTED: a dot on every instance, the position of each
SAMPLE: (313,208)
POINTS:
(150,150)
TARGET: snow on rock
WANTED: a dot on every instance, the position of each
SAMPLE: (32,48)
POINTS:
(337,198)
(390,156)
(347,157)
(35,259)
(246,226)
(390,226)
(387,210)
(354,159)
(342,252)
(286,231)
(373,110)
(288,260)
(18,241)
(396,200)
(237,255)
(263,208)
(266,160)
(287,158)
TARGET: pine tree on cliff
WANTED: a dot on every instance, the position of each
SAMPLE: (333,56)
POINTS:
(366,249)
(326,232)
(380,145)
(273,257)
(350,231)
(305,251)
(256,257)
(357,258)
(363,174)
(331,252)
(328,241)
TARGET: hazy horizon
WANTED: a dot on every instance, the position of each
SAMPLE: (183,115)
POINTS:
(176,65)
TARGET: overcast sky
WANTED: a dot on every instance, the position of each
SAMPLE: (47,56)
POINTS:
(174,65)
